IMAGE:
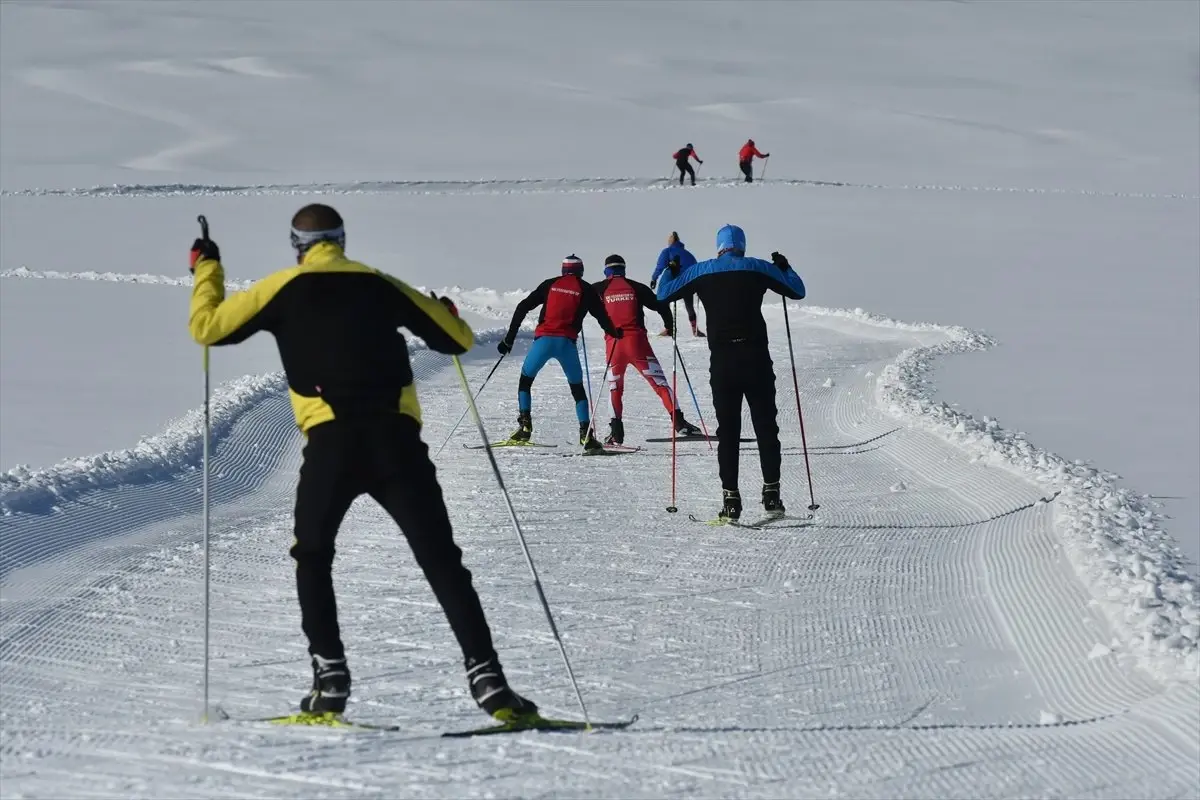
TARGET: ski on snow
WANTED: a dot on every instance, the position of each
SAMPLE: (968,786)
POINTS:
(701,438)
(609,450)
(335,720)
(543,724)
(761,524)
(327,719)
(508,443)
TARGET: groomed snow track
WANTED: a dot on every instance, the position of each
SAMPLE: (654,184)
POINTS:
(933,632)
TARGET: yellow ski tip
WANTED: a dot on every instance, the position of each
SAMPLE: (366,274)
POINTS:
(327,718)
(509,716)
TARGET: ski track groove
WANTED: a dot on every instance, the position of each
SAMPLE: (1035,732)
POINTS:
(900,662)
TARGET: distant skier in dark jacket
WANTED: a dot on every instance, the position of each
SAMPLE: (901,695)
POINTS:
(732,288)
(681,162)
(565,301)
(677,252)
(746,159)
(625,300)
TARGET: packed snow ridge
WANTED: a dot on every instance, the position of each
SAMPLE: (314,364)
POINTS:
(502,186)
(111,277)
(178,448)
(1131,566)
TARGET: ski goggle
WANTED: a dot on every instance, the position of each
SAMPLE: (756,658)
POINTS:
(303,240)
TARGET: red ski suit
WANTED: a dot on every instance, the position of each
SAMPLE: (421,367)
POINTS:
(624,300)
(748,152)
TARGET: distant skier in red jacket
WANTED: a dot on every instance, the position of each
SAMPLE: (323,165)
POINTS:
(681,162)
(624,301)
(746,157)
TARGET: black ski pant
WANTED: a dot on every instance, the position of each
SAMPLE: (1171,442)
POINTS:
(747,170)
(744,370)
(382,456)
(685,168)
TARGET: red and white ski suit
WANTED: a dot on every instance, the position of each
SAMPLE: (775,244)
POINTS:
(624,300)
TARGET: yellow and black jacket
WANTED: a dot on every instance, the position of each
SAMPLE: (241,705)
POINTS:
(335,322)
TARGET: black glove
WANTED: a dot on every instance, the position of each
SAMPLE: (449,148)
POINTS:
(203,248)
(653,283)
(447,302)
(766,155)
(504,347)
(698,161)
(780,260)
(617,333)
(673,266)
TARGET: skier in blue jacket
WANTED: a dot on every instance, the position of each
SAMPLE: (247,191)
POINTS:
(732,287)
(675,251)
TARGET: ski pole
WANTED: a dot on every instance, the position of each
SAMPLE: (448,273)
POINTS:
(204,495)
(691,389)
(812,505)
(468,408)
(764,170)
(603,378)
(512,513)
(671,509)
(586,371)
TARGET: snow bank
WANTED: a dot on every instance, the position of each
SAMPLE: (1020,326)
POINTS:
(502,186)
(482,302)
(177,448)
(112,277)
(1132,567)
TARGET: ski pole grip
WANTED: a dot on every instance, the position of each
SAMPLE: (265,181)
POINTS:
(203,227)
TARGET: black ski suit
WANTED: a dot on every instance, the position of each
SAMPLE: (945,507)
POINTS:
(354,397)
(684,167)
(740,363)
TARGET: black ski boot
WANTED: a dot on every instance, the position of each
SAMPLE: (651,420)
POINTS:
(331,686)
(683,427)
(770,500)
(616,432)
(733,505)
(590,443)
(492,693)
(524,431)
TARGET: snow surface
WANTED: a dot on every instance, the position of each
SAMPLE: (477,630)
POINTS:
(973,612)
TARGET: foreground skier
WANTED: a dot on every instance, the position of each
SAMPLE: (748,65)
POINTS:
(352,392)
(565,301)
(625,299)
(732,288)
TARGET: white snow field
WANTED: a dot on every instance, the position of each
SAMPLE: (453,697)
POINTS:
(983,606)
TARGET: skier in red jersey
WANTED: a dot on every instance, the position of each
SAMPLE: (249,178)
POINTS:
(565,300)
(746,158)
(625,301)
